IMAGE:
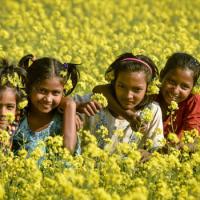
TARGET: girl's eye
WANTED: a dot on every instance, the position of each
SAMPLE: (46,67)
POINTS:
(171,82)
(185,87)
(10,107)
(42,90)
(57,93)
(137,90)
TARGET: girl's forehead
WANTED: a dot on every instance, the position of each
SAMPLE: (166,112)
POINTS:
(10,90)
(128,73)
(180,71)
(132,77)
(8,94)
(181,76)
(51,81)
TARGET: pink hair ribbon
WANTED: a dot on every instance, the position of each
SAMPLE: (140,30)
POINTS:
(139,61)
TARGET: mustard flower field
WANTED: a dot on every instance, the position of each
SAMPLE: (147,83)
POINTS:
(93,33)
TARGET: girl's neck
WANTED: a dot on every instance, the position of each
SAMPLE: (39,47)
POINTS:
(40,115)
(38,121)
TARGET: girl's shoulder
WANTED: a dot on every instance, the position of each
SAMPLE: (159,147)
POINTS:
(192,101)
(82,98)
(191,104)
(154,106)
(193,98)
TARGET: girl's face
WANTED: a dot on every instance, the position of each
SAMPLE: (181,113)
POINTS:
(46,95)
(8,104)
(177,85)
(130,88)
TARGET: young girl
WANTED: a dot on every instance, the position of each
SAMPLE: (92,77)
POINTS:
(12,98)
(47,82)
(178,78)
(130,76)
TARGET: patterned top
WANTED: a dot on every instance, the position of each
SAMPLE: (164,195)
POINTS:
(25,137)
(153,129)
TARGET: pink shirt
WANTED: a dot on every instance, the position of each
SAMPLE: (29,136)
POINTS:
(187,116)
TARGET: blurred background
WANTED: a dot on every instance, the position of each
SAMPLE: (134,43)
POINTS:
(95,32)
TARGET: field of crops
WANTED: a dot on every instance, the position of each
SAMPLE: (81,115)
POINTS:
(93,33)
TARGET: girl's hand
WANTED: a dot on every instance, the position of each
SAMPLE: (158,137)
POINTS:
(79,122)
(65,101)
(135,121)
(89,108)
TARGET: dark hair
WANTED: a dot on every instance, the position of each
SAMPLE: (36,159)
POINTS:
(183,61)
(7,70)
(46,67)
(145,64)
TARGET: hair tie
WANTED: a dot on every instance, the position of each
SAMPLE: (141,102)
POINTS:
(65,65)
(139,61)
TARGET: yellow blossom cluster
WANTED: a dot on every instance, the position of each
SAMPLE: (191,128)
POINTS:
(95,33)
(101,174)
(100,98)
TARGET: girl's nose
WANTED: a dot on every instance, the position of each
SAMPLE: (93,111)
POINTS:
(176,90)
(3,111)
(48,98)
(129,94)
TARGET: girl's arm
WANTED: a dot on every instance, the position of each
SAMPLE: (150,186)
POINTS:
(89,108)
(69,123)
(85,105)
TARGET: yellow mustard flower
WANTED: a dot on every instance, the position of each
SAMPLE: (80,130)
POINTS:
(100,98)
(22,104)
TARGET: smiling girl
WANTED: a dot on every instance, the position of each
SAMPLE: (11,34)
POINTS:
(178,78)
(130,76)
(47,79)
